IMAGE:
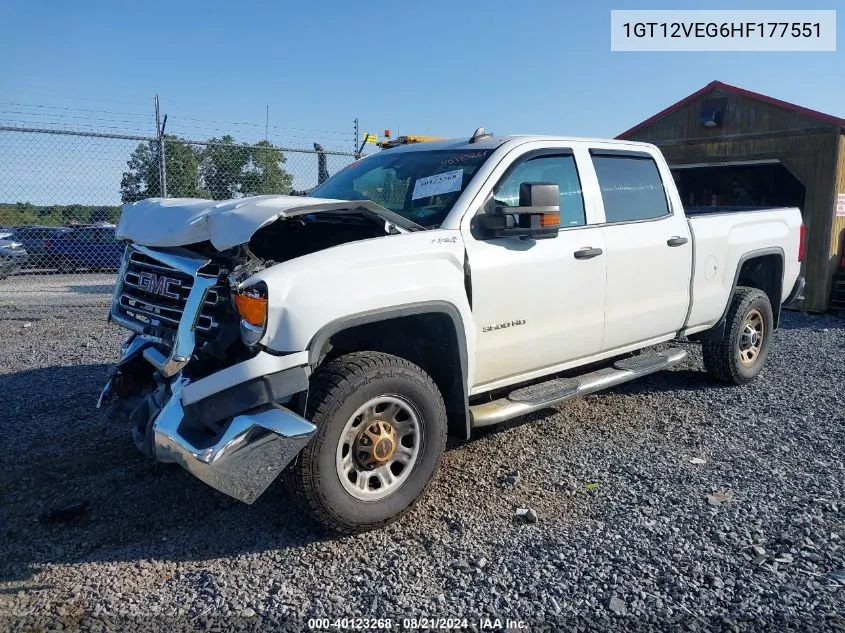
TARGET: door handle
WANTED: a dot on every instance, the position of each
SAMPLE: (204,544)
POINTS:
(677,241)
(587,253)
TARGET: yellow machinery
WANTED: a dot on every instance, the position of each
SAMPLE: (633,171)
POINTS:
(387,142)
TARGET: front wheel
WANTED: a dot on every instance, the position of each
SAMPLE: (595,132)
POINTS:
(740,354)
(381,433)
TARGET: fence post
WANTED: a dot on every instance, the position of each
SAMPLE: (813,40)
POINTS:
(162,168)
(355,147)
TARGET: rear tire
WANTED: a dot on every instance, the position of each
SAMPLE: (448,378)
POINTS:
(742,351)
(65,265)
(381,432)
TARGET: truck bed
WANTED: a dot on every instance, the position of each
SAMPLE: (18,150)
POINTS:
(723,237)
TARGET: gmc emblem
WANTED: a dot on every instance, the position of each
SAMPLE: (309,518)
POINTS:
(159,285)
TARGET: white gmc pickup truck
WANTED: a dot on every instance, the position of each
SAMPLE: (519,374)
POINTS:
(430,288)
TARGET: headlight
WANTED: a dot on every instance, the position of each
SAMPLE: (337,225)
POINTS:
(251,304)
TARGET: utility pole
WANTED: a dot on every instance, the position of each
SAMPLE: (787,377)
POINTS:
(266,122)
(162,162)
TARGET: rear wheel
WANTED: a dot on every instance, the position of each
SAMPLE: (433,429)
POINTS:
(381,433)
(740,354)
(65,265)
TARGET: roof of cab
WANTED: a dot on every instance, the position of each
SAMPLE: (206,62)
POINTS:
(494,142)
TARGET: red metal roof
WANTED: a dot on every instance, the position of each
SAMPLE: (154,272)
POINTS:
(718,85)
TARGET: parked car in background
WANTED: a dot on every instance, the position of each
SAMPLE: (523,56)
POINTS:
(33,239)
(13,255)
(90,247)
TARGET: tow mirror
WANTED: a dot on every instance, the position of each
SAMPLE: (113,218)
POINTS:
(536,217)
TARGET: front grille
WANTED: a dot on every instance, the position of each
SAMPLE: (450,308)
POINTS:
(154,294)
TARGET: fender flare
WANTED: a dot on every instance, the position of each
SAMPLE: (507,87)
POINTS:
(717,331)
(319,340)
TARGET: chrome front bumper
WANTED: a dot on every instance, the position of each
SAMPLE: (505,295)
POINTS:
(250,454)
(245,459)
(256,445)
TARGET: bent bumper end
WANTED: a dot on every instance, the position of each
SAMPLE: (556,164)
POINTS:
(248,457)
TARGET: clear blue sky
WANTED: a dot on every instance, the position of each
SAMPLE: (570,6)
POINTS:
(441,68)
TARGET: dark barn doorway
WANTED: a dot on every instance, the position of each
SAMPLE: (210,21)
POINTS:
(757,185)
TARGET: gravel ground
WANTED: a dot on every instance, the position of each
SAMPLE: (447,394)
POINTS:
(667,504)
(71,291)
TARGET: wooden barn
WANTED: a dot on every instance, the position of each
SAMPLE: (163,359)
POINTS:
(730,146)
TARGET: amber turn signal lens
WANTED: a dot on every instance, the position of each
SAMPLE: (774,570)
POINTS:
(252,309)
(550,219)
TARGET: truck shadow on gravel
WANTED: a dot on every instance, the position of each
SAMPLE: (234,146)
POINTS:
(669,381)
(672,381)
(93,289)
(75,489)
(793,320)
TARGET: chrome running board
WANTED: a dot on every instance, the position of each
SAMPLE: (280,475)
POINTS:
(545,394)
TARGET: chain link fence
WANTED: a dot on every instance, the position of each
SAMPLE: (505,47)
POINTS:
(61,190)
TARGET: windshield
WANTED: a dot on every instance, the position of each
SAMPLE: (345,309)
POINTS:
(421,186)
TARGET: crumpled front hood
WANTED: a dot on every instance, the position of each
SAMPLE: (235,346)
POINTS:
(165,222)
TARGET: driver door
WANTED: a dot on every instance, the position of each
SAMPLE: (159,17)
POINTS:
(537,303)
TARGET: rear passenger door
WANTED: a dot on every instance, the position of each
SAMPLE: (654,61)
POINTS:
(648,249)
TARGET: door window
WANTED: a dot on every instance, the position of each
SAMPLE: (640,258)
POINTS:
(105,236)
(83,236)
(631,188)
(560,170)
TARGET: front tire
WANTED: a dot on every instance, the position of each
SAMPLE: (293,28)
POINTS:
(381,433)
(740,354)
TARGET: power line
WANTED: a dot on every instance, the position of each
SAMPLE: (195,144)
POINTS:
(67,95)
(277,127)
(138,114)
(52,107)
(26,123)
(89,133)
(86,133)
(67,116)
(205,128)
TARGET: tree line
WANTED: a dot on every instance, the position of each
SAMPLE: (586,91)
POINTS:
(220,170)
(21,213)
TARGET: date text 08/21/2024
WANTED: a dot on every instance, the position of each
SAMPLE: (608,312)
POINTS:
(419,623)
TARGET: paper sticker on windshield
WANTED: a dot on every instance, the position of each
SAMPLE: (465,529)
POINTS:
(441,183)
